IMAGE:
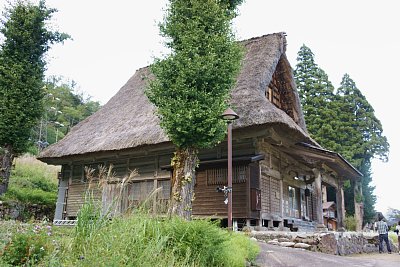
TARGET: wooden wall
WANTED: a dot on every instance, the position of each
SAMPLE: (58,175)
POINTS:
(210,203)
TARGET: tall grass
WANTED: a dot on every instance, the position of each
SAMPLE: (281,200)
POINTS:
(140,239)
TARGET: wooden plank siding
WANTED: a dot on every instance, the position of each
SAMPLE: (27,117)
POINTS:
(210,203)
(270,196)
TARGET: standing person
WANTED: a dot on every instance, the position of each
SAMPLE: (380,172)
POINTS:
(398,234)
(383,234)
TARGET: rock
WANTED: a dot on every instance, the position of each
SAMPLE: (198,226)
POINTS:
(302,245)
(301,235)
(284,239)
(253,239)
(260,228)
(287,244)
(273,242)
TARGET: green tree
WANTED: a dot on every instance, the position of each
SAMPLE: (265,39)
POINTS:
(317,98)
(192,84)
(362,140)
(343,122)
(22,64)
(63,109)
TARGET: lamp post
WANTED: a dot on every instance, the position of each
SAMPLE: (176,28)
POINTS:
(229,116)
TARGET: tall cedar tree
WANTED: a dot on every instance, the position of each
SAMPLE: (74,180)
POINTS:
(343,122)
(317,98)
(22,65)
(192,84)
(362,140)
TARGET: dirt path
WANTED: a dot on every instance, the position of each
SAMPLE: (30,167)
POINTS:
(276,256)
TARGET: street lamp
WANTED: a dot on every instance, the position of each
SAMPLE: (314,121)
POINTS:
(229,116)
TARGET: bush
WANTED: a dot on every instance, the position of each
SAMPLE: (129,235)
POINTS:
(350,223)
(142,239)
(31,196)
(28,247)
(237,248)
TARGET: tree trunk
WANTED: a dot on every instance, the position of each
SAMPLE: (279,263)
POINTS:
(182,184)
(5,169)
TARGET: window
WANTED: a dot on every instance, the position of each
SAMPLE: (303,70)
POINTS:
(140,190)
(218,176)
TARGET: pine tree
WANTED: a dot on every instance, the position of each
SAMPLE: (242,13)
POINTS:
(22,65)
(192,85)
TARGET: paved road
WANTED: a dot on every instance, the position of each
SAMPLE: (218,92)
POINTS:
(276,256)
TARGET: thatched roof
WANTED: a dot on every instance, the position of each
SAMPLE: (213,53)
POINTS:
(128,120)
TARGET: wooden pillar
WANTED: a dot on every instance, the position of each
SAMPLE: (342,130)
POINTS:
(358,205)
(281,198)
(318,194)
(340,206)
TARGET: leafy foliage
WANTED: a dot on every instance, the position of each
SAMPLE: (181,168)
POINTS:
(64,107)
(350,223)
(193,82)
(343,122)
(28,247)
(22,64)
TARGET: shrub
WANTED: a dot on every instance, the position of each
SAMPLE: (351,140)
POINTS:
(350,223)
(28,247)
(200,241)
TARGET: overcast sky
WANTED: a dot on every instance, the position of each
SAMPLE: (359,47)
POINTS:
(111,39)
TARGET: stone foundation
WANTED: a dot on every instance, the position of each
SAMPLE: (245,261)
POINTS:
(337,243)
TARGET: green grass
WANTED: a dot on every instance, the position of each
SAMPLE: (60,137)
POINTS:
(393,238)
(32,182)
(142,239)
(139,239)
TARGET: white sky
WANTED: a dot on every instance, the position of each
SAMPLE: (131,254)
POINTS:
(111,39)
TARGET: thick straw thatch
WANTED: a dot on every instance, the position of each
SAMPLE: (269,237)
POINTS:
(128,120)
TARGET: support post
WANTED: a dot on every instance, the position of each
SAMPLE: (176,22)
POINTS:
(358,205)
(230,175)
(318,193)
(340,206)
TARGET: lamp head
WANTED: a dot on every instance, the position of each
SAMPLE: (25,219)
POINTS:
(229,115)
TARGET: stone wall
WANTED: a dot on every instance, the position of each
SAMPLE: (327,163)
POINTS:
(24,212)
(337,243)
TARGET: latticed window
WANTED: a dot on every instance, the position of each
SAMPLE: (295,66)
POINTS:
(219,176)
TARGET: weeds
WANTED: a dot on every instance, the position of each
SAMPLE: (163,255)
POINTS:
(28,246)
(118,235)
